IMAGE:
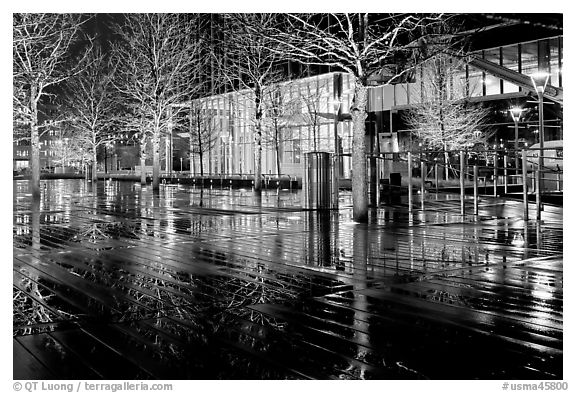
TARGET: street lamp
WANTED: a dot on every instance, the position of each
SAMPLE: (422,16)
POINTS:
(516,112)
(540,80)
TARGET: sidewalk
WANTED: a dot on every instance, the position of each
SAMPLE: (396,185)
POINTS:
(207,284)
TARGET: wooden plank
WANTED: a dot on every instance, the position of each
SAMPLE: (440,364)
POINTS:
(26,366)
(104,360)
(60,361)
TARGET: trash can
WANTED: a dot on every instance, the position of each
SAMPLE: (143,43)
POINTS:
(317,181)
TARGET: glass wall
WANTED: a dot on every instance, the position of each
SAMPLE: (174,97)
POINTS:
(492,83)
(309,107)
(529,52)
(510,61)
(556,61)
(475,82)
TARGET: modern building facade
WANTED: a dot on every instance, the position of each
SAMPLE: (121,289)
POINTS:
(304,115)
(322,124)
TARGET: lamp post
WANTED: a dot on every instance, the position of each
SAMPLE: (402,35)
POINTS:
(516,112)
(540,80)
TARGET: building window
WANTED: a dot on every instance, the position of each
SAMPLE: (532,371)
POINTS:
(510,61)
(491,82)
(529,58)
(474,82)
(292,146)
(555,62)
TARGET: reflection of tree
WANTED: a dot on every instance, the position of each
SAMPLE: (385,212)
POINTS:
(360,303)
(106,230)
(27,304)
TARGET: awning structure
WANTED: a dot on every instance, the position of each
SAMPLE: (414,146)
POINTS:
(552,93)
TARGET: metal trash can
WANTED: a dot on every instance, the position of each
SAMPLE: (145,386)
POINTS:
(317,181)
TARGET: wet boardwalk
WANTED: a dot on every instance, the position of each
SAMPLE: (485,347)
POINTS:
(114,282)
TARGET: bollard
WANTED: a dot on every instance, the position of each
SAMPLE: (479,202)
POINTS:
(538,195)
(462,190)
(525,184)
(409,182)
(476,189)
(558,186)
(505,174)
(495,174)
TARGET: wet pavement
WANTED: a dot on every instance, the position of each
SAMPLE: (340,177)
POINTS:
(115,282)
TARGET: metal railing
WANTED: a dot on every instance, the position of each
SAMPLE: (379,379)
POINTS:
(483,172)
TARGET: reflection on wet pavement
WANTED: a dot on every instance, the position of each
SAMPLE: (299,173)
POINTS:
(119,282)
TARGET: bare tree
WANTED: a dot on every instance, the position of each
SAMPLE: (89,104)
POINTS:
(251,65)
(374,48)
(446,119)
(90,105)
(279,110)
(312,114)
(41,60)
(203,133)
(138,125)
(155,53)
(69,148)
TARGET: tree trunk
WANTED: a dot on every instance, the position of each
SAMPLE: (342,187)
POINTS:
(314,137)
(200,148)
(156,160)
(34,145)
(446,162)
(94,167)
(142,169)
(278,158)
(359,189)
(258,157)
(201,156)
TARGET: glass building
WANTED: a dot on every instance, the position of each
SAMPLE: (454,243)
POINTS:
(318,116)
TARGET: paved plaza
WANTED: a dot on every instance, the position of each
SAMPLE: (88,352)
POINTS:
(112,281)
